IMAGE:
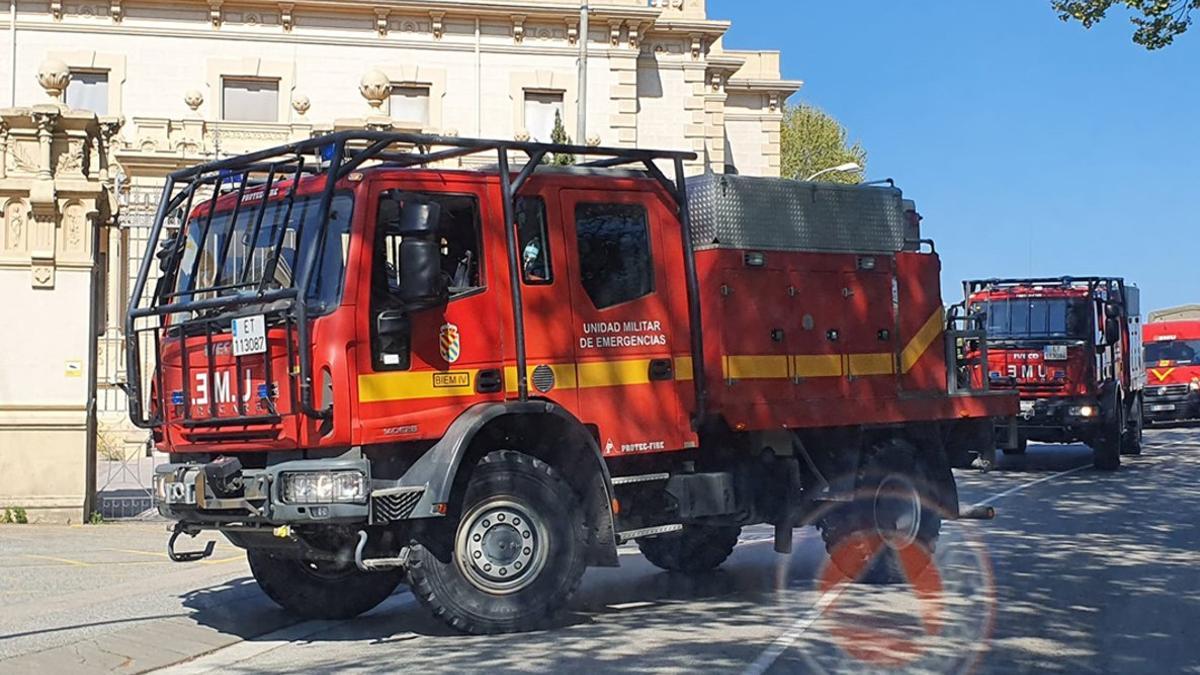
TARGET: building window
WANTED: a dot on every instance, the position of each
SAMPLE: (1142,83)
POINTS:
(410,103)
(614,252)
(540,110)
(247,100)
(88,90)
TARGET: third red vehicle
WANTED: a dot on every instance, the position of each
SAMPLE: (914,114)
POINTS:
(1173,371)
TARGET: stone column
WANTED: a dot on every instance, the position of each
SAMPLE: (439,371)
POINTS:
(55,206)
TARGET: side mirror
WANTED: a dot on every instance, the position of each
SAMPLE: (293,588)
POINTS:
(1112,310)
(1112,330)
(420,257)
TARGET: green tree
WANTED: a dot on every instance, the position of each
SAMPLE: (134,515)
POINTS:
(813,141)
(559,135)
(1158,21)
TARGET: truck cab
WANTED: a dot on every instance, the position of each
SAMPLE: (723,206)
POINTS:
(1072,348)
(1172,371)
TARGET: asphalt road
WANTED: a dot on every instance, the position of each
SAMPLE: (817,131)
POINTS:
(1081,571)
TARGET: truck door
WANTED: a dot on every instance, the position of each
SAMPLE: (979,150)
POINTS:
(622,281)
(418,370)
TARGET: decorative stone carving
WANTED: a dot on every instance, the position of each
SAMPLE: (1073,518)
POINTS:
(56,9)
(54,76)
(285,16)
(614,32)
(522,136)
(381,20)
(697,45)
(435,24)
(3,149)
(114,9)
(73,224)
(773,101)
(572,31)
(301,104)
(450,133)
(214,12)
(16,215)
(593,140)
(634,35)
(45,120)
(716,80)
(70,160)
(518,28)
(375,87)
(193,99)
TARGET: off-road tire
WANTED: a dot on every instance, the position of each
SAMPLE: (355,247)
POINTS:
(445,589)
(840,527)
(1133,430)
(693,550)
(320,590)
(1107,450)
(1022,446)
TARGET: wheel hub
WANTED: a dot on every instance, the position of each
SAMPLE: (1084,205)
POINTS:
(501,546)
(897,511)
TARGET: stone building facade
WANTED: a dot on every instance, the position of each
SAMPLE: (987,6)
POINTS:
(173,83)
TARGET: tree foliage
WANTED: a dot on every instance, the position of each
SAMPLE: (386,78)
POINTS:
(1158,21)
(813,141)
(559,135)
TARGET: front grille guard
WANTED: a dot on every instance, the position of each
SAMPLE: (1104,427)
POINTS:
(333,157)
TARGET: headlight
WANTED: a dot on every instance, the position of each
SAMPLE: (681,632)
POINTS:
(1194,385)
(1082,411)
(324,487)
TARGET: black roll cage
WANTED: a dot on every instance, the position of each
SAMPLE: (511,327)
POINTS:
(335,156)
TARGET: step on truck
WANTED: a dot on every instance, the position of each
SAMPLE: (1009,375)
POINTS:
(1172,371)
(371,367)
(1072,348)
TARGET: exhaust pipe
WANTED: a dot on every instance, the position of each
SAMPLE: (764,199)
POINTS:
(977,512)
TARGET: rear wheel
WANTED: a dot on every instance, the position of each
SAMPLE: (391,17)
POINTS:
(692,550)
(320,589)
(1133,430)
(888,533)
(518,554)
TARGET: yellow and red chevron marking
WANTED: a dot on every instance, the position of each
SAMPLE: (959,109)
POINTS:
(1162,377)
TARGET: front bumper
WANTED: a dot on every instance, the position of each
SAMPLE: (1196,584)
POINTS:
(1058,419)
(1174,408)
(182,492)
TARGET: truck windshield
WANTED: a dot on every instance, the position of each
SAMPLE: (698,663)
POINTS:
(249,254)
(1177,352)
(1017,318)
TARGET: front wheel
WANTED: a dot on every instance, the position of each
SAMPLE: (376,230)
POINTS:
(692,550)
(320,589)
(1107,450)
(518,553)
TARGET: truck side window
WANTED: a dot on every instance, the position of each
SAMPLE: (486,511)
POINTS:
(533,242)
(614,252)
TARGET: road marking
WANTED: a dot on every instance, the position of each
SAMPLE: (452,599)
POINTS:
(66,561)
(235,656)
(1030,484)
(776,649)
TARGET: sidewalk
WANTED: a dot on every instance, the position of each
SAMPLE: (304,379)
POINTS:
(106,598)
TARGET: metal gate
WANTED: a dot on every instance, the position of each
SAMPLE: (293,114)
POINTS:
(125,458)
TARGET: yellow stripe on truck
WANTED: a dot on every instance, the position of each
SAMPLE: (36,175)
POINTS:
(920,343)
(817,365)
(756,367)
(403,386)
(872,364)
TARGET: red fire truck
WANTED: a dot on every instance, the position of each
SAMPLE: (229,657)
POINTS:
(1173,371)
(1072,347)
(371,368)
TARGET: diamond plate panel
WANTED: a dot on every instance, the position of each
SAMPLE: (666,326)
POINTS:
(744,212)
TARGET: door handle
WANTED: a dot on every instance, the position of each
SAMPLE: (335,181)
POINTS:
(660,369)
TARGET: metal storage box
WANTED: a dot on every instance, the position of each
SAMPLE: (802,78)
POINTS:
(744,212)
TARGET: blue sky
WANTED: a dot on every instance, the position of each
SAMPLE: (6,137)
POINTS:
(1031,146)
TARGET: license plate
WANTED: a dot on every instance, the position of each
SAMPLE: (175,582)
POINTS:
(1162,407)
(1055,353)
(249,335)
